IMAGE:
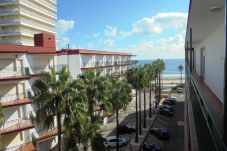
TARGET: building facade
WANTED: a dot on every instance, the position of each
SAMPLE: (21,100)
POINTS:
(205,53)
(19,67)
(106,62)
(21,19)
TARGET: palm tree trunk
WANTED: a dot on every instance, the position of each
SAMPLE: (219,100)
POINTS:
(85,148)
(150,103)
(136,137)
(117,125)
(155,92)
(59,130)
(140,114)
(181,77)
(144,112)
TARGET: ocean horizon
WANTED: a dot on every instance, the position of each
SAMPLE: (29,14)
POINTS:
(171,65)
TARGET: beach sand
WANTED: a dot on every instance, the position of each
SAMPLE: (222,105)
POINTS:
(172,80)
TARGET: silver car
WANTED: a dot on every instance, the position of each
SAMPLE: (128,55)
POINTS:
(111,141)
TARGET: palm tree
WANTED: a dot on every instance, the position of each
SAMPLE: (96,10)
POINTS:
(98,143)
(97,92)
(121,97)
(88,132)
(180,68)
(75,112)
(150,73)
(50,97)
(132,78)
(159,67)
(146,80)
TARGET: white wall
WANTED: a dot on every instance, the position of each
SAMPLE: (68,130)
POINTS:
(214,60)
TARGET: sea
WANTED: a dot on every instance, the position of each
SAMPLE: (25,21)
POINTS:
(171,65)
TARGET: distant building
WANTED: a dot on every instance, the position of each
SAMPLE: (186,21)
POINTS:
(106,62)
(21,19)
(205,53)
(19,67)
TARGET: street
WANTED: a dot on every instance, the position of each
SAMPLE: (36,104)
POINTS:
(174,125)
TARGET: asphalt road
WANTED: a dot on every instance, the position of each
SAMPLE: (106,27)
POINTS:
(174,124)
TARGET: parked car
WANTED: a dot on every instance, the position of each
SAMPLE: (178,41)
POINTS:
(165,112)
(111,141)
(169,101)
(161,133)
(126,129)
(148,146)
(166,107)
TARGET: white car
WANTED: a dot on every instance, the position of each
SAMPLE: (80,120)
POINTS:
(111,141)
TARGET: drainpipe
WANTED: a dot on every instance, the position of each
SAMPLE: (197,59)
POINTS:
(225,81)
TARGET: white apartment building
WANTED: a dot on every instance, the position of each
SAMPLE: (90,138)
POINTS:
(106,62)
(21,19)
(19,67)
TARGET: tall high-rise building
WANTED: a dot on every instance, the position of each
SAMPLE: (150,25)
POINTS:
(21,19)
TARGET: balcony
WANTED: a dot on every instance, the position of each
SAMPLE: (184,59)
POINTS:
(207,114)
(44,134)
(13,73)
(38,70)
(102,64)
(47,5)
(40,18)
(16,125)
(22,147)
(10,100)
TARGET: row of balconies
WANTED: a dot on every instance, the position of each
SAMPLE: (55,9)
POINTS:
(107,63)
(37,8)
(25,71)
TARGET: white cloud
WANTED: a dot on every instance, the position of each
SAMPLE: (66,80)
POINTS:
(108,42)
(110,31)
(165,48)
(62,42)
(65,25)
(157,24)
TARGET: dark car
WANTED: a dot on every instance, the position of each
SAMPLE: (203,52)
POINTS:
(161,133)
(169,101)
(168,107)
(148,146)
(165,112)
(126,129)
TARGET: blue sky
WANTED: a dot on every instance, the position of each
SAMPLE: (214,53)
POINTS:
(148,28)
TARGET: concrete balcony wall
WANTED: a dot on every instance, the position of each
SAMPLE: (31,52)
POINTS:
(34,7)
(214,60)
(12,139)
(37,17)
(36,25)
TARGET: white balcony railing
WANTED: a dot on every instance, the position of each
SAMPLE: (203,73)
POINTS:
(15,96)
(15,124)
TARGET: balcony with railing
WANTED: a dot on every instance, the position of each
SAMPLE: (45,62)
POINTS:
(13,73)
(101,64)
(38,136)
(207,113)
(16,125)
(38,70)
(21,147)
(10,100)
